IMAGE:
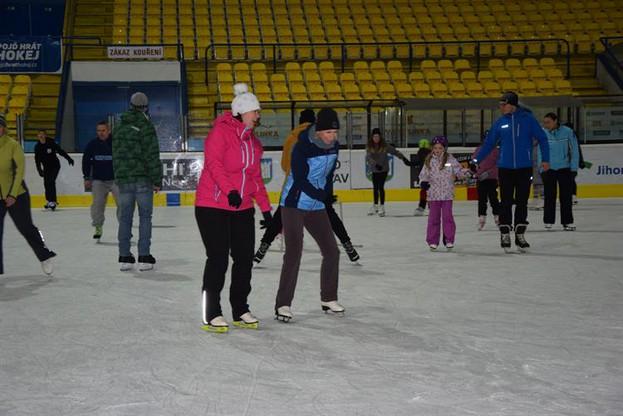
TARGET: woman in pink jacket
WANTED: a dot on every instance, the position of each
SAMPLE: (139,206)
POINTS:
(230,182)
(437,178)
(487,186)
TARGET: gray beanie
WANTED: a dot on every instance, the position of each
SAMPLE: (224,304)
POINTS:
(139,101)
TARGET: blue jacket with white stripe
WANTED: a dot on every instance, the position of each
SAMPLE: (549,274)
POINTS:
(514,133)
(310,182)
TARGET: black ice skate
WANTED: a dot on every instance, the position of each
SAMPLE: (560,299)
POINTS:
(505,237)
(261,252)
(350,251)
(127,262)
(520,239)
(146,263)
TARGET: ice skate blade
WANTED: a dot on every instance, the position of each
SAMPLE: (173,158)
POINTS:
(507,250)
(522,250)
(245,325)
(127,268)
(215,329)
(283,318)
(328,311)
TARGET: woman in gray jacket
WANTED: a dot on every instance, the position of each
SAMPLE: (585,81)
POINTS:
(377,159)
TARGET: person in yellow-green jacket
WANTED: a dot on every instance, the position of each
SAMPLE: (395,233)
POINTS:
(15,199)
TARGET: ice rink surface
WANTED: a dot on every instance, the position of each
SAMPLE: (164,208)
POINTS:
(472,332)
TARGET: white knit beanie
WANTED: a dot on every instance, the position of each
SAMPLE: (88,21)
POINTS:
(244,101)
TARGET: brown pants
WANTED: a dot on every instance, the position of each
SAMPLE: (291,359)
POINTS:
(318,225)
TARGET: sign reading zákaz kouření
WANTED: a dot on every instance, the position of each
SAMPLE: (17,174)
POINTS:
(30,54)
(136,52)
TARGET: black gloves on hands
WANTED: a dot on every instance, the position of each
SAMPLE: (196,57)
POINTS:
(406,161)
(70,161)
(265,223)
(234,199)
(581,165)
(378,167)
(331,199)
(425,185)
(473,165)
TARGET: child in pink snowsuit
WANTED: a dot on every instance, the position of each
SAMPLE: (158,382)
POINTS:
(437,177)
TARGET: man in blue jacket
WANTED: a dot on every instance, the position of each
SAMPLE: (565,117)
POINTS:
(564,160)
(308,186)
(99,175)
(514,133)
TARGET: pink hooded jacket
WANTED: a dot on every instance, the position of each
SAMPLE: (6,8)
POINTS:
(488,168)
(232,161)
(441,180)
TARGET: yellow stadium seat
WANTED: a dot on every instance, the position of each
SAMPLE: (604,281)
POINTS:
(445,65)
(537,73)
(416,77)
(369,91)
(432,76)
(530,63)
(474,89)
(22,79)
(510,85)
(394,65)
(347,78)
(501,75)
(421,90)
(242,77)
(328,77)
(512,64)
(491,89)
(461,65)
(17,104)
(351,92)
(363,76)
(563,87)
(484,76)
(298,92)
(404,90)
(449,75)
(553,74)
(546,62)
(527,88)
(456,89)
(427,65)
(380,76)
(520,74)
(20,90)
(545,87)
(326,66)
(495,64)
(386,91)
(467,76)
(334,91)
(398,76)
(439,90)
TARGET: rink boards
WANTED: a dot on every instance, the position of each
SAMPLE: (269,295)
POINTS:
(351,181)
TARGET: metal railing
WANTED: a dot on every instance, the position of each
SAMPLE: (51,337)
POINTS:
(277,54)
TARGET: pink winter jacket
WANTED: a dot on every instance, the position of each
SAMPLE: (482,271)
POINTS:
(488,168)
(232,157)
(441,180)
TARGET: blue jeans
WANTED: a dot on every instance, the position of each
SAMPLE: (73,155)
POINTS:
(139,193)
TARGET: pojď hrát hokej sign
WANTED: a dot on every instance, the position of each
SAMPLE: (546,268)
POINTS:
(28,54)
(136,52)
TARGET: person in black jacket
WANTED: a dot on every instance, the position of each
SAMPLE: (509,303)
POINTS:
(99,176)
(49,166)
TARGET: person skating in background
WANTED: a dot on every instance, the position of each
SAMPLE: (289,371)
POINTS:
(564,160)
(437,177)
(514,132)
(49,166)
(230,183)
(422,153)
(97,170)
(307,117)
(581,164)
(138,174)
(15,199)
(377,159)
(487,187)
(307,188)
(536,203)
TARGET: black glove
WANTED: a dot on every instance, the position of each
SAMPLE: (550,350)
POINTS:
(378,167)
(331,199)
(265,223)
(234,199)
(425,185)
(41,173)
(581,165)
(473,165)
(406,161)
(70,161)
